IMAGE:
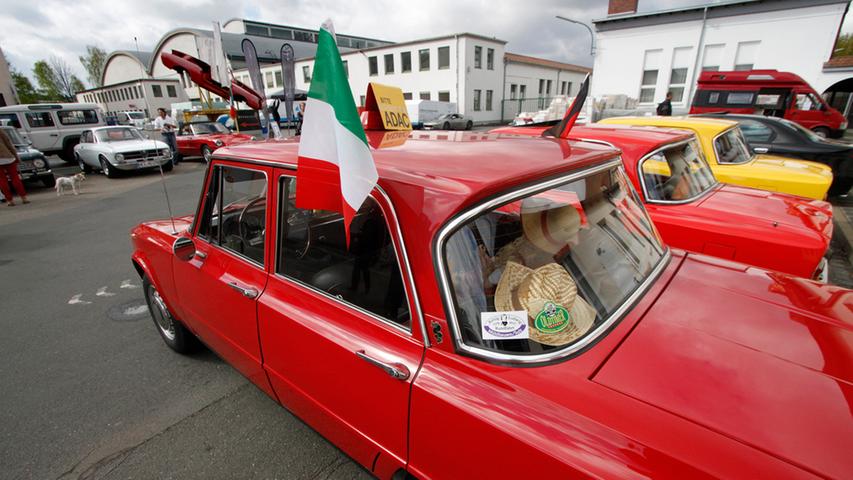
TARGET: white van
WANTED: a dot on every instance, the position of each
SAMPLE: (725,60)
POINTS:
(134,118)
(53,128)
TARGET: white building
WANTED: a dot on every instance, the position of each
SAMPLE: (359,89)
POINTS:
(8,95)
(472,71)
(644,55)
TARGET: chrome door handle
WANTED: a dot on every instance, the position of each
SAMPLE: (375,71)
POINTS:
(246,292)
(200,255)
(760,150)
(396,370)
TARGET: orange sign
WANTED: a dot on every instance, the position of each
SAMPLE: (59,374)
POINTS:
(385,109)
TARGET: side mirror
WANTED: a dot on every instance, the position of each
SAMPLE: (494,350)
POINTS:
(760,150)
(184,249)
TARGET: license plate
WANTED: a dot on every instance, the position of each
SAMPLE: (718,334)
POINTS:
(146,164)
(26,166)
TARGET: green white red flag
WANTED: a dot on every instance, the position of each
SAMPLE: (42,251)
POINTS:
(335,170)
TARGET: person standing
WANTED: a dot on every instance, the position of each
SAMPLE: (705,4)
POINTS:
(9,167)
(167,125)
(665,107)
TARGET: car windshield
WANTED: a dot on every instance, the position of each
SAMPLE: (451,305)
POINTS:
(14,136)
(136,115)
(731,148)
(117,134)
(805,131)
(206,128)
(676,173)
(548,271)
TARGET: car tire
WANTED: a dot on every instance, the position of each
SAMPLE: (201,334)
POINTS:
(49,182)
(446,126)
(840,186)
(109,170)
(821,132)
(167,167)
(469,125)
(171,330)
(83,166)
(67,153)
(206,153)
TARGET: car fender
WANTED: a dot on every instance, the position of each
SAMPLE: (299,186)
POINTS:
(162,278)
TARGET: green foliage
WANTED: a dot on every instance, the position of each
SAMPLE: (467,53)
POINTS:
(93,62)
(844,45)
(55,80)
(27,93)
(47,82)
(76,85)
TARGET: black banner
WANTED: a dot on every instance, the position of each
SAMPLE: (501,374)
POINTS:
(288,79)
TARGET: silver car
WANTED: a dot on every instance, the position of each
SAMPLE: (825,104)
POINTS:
(450,121)
(113,150)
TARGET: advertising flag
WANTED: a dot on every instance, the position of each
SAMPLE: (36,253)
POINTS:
(288,79)
(335,170)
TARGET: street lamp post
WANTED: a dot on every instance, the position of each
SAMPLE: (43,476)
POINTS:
(591,35)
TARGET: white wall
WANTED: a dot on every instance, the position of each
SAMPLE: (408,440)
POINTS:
(529,75)
(798,41)
(123,68)
(184,42)
(482,79)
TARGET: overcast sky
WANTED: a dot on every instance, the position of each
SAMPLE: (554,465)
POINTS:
(33,30)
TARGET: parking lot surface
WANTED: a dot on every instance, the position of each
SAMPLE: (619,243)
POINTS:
(90,391)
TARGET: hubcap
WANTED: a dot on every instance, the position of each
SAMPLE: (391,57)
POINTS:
(206,154)
(161,314)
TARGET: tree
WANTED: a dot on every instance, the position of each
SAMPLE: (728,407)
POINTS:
(27,93)
(56,81)
(844,45)
(93,62)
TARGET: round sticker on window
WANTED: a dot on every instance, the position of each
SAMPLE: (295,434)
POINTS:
(552,319)
(504,325)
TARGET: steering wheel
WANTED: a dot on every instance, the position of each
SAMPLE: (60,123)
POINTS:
(243,226)
(291,220)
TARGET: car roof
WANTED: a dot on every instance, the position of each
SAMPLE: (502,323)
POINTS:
(711,125)
(647,136)
(433,175)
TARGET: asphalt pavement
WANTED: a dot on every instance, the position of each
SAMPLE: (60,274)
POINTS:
(89,390)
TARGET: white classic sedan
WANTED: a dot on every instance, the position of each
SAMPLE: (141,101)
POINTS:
(113,150)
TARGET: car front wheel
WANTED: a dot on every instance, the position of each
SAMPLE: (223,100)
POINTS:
(469,125)
(173,332)
(49,181)
(108,169)
(206,154)
(83,167)
(822,132)
(446,126)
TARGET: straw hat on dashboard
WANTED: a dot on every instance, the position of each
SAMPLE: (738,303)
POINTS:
(556,314)
(549,225)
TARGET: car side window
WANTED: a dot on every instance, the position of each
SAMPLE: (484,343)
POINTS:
(313,250)
(39,119)
(756,131)
(234,215)
(10,119)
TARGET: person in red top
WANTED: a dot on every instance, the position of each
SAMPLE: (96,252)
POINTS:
(9,167)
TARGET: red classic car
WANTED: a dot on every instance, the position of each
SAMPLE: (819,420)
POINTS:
(505,309)
(694,212)
(203,138)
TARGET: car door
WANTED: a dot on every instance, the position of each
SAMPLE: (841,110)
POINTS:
(83,148)
(807,109)
(42,130)
(457,122)
(220,285)
(337,327)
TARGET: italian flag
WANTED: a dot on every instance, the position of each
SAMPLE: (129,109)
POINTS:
(335,170)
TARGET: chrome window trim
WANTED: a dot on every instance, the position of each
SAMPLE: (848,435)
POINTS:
(411,289)
(446,291)
(672,202)
(717,154)
(226,250)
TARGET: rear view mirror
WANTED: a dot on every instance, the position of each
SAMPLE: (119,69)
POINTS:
(184,249)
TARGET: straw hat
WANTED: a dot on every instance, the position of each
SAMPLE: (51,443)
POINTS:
(556,314)
(549,225)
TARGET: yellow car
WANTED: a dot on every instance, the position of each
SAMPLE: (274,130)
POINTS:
(733,162)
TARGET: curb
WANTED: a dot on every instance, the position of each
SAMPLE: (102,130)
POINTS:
(843,224)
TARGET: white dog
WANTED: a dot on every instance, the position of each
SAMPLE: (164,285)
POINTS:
(72,182)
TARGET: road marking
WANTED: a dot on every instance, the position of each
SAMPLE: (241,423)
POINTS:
(137,310)
(77,299)
(128,284)
(102,292)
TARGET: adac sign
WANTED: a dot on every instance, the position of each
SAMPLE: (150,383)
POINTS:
(385,109)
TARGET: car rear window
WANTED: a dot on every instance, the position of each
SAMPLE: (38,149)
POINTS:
(77,117)
(731,148)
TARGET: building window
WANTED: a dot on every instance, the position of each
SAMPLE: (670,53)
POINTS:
(490,59)
(548,90)
(423,59)
(477,94)
(512,91)
(306,74)
(170,89)
(277,76)
(424,96)
(346,67)
(407,96)
(522,91)
(678,74)
(478,57)
(373,66)
(444,96)
(158,90)
(712,58)
(405,61)
(489,100)
(443,58)
(361,100)
(747,52)
(389,63)
(569,89)
(648,83)
(303,36)
(562,88)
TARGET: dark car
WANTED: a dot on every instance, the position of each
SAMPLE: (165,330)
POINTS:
(786,138)
(33,165)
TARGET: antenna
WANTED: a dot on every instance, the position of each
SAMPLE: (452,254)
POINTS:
(561,130)
(163,181)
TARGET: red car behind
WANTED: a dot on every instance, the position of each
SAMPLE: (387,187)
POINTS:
(201,139)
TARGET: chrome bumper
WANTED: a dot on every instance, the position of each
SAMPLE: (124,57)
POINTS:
(822,272)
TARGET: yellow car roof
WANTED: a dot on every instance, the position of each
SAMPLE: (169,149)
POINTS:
(711,126)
